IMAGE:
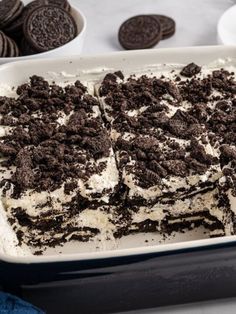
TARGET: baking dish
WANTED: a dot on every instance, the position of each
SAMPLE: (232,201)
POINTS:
(176,272)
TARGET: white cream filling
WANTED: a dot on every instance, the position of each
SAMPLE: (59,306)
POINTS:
(97,183)
(96,219)
(155,214)
(197,204)
(167,185)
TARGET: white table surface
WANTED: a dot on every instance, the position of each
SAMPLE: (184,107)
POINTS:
(196,22)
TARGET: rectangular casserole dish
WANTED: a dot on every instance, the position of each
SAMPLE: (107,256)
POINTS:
(131,276)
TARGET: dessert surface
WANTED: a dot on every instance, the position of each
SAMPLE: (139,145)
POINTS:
(144,152)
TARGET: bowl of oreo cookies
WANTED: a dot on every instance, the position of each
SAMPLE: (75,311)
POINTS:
(39,28)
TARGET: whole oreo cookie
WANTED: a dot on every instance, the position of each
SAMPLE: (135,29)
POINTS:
(167,25)
(48,27)
(140,32)
(9,10)
(15,28)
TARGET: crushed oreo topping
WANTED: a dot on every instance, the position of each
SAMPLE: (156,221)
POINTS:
(190,70)
(45,151)
(140,106)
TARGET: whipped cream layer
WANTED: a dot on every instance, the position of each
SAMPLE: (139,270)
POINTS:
(203,207)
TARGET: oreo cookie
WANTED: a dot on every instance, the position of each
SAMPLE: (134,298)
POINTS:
(67,7)
(8,47)
(48,27)
(12,48)
(3,45)
(140,32)
(15,26)
(34,4)
(26,49)
(167,25)
(15,29)
(9,11)
(16,50)
(61,3)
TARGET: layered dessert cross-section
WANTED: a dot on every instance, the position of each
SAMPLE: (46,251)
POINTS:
(56,159)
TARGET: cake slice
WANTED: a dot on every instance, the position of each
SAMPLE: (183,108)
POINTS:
(54,149)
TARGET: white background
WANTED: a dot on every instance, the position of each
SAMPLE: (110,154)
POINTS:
(196,22)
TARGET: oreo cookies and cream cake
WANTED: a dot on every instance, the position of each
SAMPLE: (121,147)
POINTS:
(57,160)
(147,152)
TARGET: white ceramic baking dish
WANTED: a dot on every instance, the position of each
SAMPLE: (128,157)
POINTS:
(92,68)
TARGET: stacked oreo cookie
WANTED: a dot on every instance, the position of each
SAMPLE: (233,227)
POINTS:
(8,47)
(39,26)
(145,31)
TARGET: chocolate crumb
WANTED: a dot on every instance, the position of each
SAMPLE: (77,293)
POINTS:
(190,70)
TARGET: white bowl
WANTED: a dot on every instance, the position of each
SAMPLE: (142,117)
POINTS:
(73,47)
(227,27)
